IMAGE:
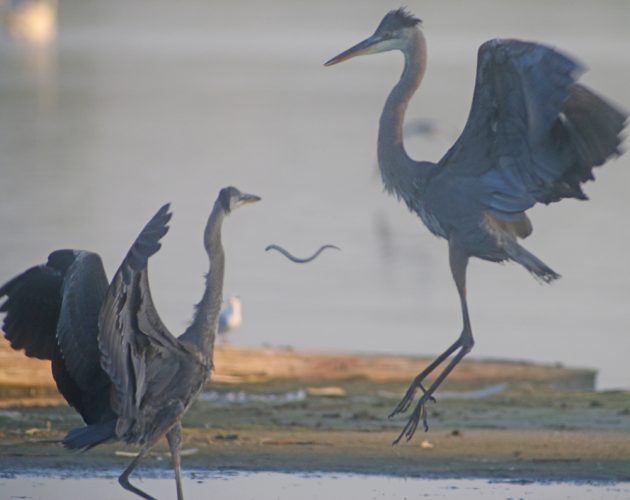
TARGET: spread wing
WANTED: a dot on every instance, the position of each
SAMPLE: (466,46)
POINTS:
(31,307)
(52,313)
(533,134)
(130,329)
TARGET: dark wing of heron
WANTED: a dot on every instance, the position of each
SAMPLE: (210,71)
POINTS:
(533,134)
(32,304)
(84,288)
(130,329)
(52,313)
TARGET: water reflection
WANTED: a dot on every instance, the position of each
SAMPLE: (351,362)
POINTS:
(33,21)
(278,486)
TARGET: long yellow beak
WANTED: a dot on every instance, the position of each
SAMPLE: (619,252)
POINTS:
(249,198)
(367,46)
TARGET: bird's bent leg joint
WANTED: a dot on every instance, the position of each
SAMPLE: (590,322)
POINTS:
(467,341)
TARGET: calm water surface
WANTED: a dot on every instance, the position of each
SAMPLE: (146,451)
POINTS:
(281,486)
(152,101)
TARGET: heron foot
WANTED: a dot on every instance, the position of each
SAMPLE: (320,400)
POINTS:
(419,412)
(405,402)
(124,482)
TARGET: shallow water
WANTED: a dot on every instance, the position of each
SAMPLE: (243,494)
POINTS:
(138,104)
(276,486)
(244,397)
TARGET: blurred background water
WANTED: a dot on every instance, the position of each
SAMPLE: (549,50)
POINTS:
(133,104)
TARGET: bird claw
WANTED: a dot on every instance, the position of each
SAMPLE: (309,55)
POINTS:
(419,412)
(405,402)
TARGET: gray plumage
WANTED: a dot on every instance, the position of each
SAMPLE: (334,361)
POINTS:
(299,260)
(52,313)
(533,135)
(119,366)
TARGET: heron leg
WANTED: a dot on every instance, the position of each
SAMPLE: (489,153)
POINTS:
(405,402)
(124,477)
(420,412)
(458,261)
(174,437)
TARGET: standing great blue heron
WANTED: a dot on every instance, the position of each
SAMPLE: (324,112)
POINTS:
(113,359)
(533,135)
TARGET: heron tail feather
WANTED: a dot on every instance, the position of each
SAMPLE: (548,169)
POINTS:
(89,436)
(533,264)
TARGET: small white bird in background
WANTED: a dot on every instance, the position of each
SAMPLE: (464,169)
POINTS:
(230,317)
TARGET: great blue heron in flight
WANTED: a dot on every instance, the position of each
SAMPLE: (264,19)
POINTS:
(113,359)
(533,135)
(231,317)
(299,260)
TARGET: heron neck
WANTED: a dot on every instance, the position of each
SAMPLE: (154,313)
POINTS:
(203,328)
(394,162)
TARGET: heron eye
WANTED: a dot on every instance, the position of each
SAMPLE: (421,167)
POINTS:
(387,36)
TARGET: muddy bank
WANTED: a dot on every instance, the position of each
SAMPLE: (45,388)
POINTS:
(499,454)
(335,419)
(21,376)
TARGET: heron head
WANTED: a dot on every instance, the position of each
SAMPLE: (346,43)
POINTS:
(393,33)
(231,198)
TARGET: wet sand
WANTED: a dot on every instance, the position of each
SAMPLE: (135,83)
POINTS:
(544,424)
(498,454)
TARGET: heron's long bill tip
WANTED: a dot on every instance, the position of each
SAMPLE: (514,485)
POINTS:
(333,61)
(251,198)
(365,47)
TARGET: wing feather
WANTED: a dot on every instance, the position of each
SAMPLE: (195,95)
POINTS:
(533,134)
(32,305)
(129,325)
(51,313)
(84,288)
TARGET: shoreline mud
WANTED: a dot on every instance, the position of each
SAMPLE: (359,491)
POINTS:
(287,411)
